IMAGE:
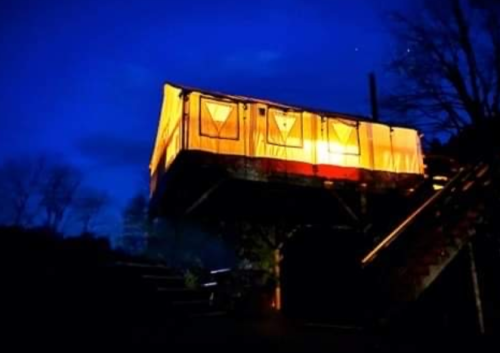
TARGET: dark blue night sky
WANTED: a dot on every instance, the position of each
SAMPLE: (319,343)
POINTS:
(84,78)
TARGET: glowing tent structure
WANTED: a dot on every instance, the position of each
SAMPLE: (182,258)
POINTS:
(266,138)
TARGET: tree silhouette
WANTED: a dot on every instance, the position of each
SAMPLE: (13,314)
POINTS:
(57,192)
(19,189)
(38,191)
(88,206)
(135,224)
(448,67)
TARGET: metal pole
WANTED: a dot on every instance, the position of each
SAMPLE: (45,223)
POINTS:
(373,97)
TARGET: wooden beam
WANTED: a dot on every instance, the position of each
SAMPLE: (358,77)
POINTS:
(204,197)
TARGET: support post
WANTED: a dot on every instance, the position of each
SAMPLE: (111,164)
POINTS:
(477,290)
(277,274)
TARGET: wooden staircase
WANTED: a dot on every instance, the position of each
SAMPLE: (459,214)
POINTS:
(405,263)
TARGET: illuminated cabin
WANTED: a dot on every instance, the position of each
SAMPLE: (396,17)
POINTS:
(335,182)
(207,142)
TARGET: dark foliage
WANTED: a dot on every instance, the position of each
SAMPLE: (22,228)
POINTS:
(58,290)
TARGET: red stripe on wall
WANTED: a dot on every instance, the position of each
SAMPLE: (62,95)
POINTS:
(300,168)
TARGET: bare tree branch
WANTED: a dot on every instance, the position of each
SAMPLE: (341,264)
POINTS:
(450,70)
(57,192)
(19,183)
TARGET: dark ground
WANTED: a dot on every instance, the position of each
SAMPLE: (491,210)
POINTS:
(64,294)
(226,334)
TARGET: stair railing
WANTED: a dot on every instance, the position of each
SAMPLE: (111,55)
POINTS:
(463,175)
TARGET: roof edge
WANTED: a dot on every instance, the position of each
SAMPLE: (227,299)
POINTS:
(275,104)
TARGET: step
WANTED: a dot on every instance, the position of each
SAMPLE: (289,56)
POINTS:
(428,260)
(419,271)
(181,294)
(146,269)
(407,282)
(192,302)
(136,265)
(164,281)
(403,293)
(196,307)
(211,313)
(431,241)
(435,268)
(163,277)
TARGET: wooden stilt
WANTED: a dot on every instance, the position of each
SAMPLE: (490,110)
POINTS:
(277,290)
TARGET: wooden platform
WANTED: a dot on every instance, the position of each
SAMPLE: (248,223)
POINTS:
(205,184)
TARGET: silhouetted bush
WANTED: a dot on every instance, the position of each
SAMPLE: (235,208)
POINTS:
(59,287)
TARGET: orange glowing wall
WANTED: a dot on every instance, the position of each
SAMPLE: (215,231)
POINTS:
(232,125)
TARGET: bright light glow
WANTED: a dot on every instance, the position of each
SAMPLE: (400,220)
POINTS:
(437,187)
(220,270)
(440,177)
(328,184)
(210,284)
(334,153)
